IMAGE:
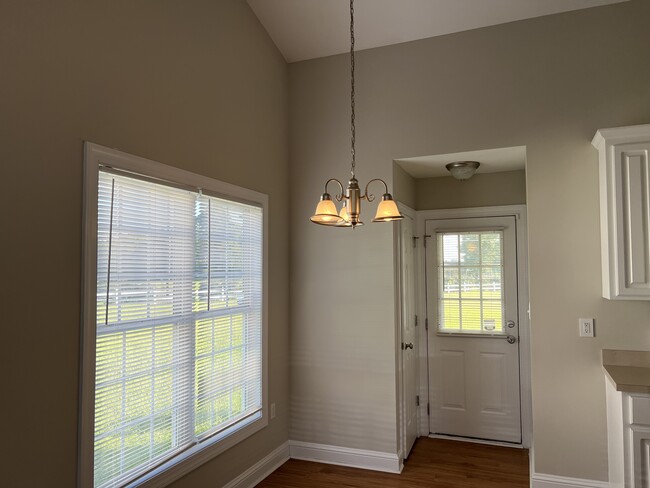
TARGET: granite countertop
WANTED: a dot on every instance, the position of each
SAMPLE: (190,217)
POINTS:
(628,370)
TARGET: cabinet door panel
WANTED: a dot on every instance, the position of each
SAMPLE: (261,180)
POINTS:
(631,163)
(640,439)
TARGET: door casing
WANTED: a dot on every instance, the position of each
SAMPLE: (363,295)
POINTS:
(397,241)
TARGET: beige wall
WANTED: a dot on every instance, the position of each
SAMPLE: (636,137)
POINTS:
(403,186)
(198,85)
(342,362)
(547,83)
(481,190)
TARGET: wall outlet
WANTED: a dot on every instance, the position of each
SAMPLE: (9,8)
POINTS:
(586,327)
(272,410)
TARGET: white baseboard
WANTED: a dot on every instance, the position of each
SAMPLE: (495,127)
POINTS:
(345,456)
(539,480)
(262,468)
(373,460)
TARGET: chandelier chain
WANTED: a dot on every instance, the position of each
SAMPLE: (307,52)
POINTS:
(352,125)
(350,213)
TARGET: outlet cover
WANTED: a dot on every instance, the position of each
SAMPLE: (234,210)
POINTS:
(586,327)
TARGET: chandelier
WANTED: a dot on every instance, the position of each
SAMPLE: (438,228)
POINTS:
(350,213)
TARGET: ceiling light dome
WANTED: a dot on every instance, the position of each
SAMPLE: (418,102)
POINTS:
(463,170)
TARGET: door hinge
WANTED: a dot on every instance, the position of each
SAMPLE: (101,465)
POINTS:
(416,320)
(426,323)
(428,410)
(415,241)
(425,239)
(417,400)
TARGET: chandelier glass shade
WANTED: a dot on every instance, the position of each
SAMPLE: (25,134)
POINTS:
(326,213)
(350,213)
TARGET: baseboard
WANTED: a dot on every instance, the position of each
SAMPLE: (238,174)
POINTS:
(262,468)
(539,480)
(345,456)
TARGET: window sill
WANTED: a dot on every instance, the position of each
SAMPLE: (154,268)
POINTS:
(199,454)
(484,335)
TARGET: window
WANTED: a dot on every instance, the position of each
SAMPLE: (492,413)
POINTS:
(470,274)
(174,321)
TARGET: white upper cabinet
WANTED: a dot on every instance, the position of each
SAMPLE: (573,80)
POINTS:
(625,211)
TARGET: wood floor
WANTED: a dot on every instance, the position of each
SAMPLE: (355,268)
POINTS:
(435,463)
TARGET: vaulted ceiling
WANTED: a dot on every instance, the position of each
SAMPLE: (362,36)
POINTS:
(306,29)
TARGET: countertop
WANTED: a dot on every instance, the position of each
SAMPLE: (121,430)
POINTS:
(628,370)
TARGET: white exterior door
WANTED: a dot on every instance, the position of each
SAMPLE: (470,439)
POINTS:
(408,344)
(472,311)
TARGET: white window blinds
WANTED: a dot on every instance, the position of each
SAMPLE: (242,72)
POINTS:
(470,282)
(179,322)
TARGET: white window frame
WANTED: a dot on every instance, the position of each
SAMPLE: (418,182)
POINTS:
(96,156)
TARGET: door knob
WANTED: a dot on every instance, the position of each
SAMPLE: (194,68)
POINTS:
(511,339)
(407,346)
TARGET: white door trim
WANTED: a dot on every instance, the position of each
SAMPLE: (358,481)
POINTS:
(397,262)
(519,212)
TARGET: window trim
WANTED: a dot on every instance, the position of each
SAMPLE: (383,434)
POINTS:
(95,156)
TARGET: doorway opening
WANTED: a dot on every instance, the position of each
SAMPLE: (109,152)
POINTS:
(462,281)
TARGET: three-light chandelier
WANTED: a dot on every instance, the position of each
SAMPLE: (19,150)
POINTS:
(349,216)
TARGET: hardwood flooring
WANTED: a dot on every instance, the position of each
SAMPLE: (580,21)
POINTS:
(435,463)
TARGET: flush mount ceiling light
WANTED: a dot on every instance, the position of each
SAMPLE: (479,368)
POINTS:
(463,170)
(349,216)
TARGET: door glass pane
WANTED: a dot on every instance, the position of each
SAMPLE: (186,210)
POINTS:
(470,274)
(448,244)
(450,286)
(491,248)
(492,316)
(470,282)
(470,315)
(491,281)
(469,249)
(450,311)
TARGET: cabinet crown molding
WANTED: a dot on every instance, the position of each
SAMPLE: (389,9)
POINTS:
(615,135)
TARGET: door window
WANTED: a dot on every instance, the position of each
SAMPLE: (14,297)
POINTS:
(470,282)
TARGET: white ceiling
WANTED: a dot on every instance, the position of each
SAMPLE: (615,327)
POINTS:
(306,29)
(492,161)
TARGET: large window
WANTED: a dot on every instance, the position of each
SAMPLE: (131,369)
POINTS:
(177,329)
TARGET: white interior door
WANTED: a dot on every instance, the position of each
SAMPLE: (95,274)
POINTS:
(472,311)
(409,344)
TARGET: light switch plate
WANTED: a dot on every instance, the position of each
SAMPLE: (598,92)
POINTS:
(586,327)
